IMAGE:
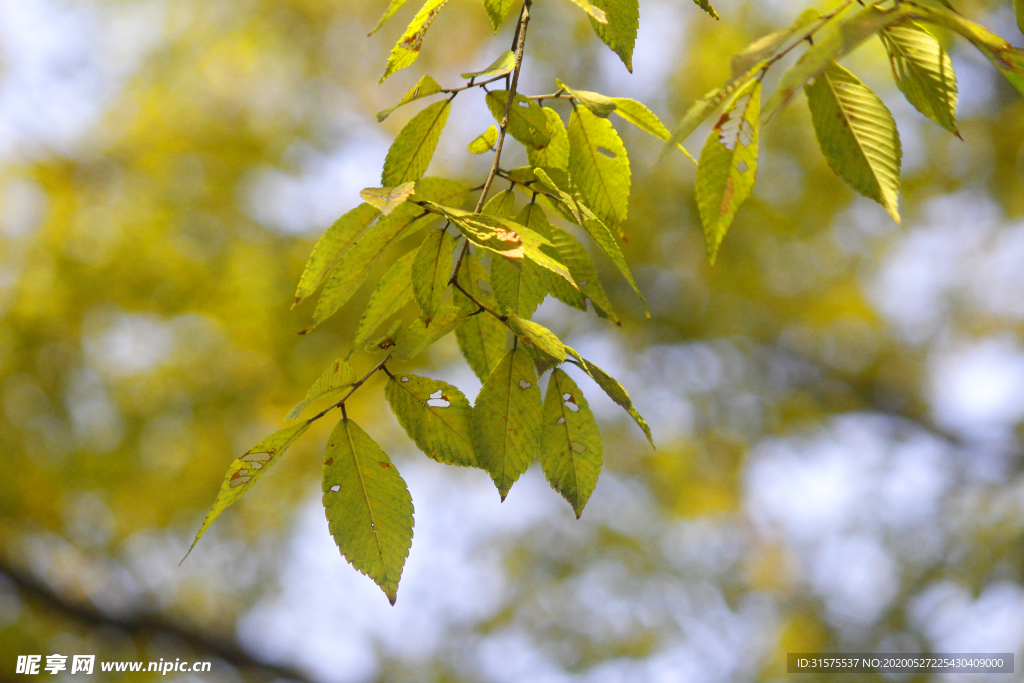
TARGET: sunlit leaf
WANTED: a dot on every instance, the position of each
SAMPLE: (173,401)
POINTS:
(520,288)
(923,71)
(338,238)
(507,419)
(554,154)
(484,142)
(338,377)
(539,338)
(497,10)
(426,87)
(571,448)
(858,136)
(619,33)
(765,47)
(412,150)
(387,199)
(415,339)
(247,470)
(392,293)
(501,66)
(598,104)
(728,165)
(526,120)
(431,271)
(645,119)
(596,13)
(435,415)
(407,49)
(482,337)
(368,506)
(598,166)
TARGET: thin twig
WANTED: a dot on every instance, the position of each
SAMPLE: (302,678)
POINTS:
(483,307)
(355,386)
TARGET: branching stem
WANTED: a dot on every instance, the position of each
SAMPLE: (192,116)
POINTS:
(355,386)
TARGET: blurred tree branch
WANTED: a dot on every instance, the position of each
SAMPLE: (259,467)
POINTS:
(146,624)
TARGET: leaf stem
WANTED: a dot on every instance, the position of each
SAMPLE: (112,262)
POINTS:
(482,305)
(355,386)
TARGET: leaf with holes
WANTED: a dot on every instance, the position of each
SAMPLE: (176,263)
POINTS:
(368,506)
(387,199)
(501,66)
(555,154)
(506,420)
(426,87)
(435,415)
(520,287)
(571,449)
(482,337)
(412,150)
(484,142)
(546,343)
(728,165)
(338,377)
(431,271)
(526,120)
(331,246)
(858,136)
(415,339)
(392,293)
(497,10)
(407,49)
(598,166)
(619,33)
(611,386)
(246,471)
(829,46)
(923,71)
(645,119)
(598,104)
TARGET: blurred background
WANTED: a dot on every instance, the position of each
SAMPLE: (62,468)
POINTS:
(837,403)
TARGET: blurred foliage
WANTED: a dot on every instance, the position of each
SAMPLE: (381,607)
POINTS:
(146,338)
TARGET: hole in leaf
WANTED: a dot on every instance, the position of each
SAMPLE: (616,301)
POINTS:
(438,400)
(561,420)
(578,447)
(810,81)
(336,488)
(607,152)
(405,379)
(239,481)
(570,403)
(742,166)
(524,103)
(523,384)
(584,283)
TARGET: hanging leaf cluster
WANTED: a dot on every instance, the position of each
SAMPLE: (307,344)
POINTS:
(479,266)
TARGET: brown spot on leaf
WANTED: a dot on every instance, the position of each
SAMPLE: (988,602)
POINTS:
(329,462)
(384,464)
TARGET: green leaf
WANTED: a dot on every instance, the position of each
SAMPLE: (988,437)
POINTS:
(412,150)
(706,6)
(484,142)
(615,391)
(393,7)
(426,87)
(407,49)
(501,66)
(431,271)
(507,419)
(435,415)
(706,106)
(419,335)
(571,448)
(923,71)
(765,47)
(387,199)
(597,103)
(369,509)
(555,154)
(392,293)
(598,166)
(388,341)
(596,13)
(539,338)
(331,246)
(858,136)
(527,122)
(497,10)
(568,200)
(482,337)
(728,165)
(338,377)
(840,41)
(646,120)
(520,287)
(1018,9)
(246,471)
(577,259)
(501,205)
(619,33)
(1007,59)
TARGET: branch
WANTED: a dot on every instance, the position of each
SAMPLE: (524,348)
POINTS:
(355,386)
(145,624)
